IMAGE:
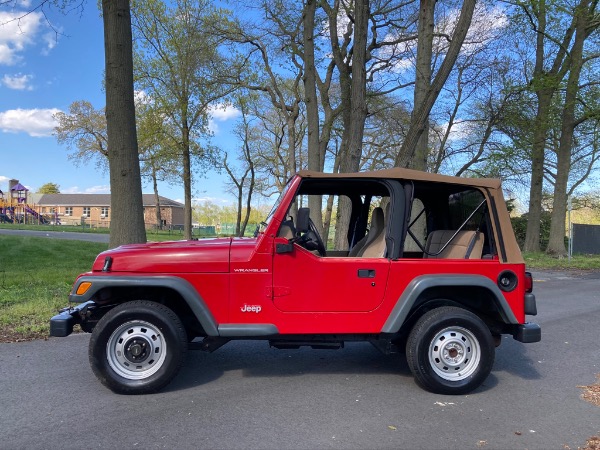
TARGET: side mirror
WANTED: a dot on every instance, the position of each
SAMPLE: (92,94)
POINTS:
(302,220)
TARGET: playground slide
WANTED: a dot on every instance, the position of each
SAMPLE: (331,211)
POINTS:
(35,214)
(7,215)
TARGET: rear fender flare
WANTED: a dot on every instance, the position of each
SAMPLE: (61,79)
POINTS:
(189,294)
(421,284)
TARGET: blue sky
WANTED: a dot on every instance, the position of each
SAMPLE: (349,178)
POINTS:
(42,72)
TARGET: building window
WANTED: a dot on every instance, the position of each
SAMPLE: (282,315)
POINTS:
(69,211)
(104,212)
(86,211)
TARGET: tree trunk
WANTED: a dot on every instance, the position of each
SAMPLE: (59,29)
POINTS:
(534,217)
(248,199)
(187,185)
(354,120)
(423,78)
(556,244)
(312,108)
(127,210)
(421,116)
(544,97)
(358,101)
(545,82)
(238,216)
(156,198)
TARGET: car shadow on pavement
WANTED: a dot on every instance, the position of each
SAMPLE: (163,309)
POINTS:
(515,358)
(256,359)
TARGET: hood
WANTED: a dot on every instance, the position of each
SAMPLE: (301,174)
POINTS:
(202,256)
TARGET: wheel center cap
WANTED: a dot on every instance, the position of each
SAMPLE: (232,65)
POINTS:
(137,350)
(453,353)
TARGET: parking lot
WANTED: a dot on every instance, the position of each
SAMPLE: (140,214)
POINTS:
(246,395)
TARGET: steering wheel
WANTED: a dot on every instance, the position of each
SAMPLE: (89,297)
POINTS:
(312,239)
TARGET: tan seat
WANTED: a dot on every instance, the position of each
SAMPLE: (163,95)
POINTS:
(375,245)
(466,245)
(376,219)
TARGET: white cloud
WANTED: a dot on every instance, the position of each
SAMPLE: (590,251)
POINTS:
(212,200)
(35,122)
(485,25)
(460,130)
(102,189)
(221,112)
(20,82)
(142,98)
(51,40)
(20,29)
(17,32)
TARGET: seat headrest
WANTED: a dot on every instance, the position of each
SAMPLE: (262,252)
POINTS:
(377,219)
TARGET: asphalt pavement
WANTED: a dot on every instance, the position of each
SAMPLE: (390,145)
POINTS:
(246,395)
(91,237)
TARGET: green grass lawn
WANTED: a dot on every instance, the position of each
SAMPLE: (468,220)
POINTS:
(577,262)
(36,275)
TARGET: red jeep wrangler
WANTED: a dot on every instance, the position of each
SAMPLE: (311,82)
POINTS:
(430,265)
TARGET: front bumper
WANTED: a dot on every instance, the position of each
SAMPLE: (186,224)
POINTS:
(62,324)
(527,333)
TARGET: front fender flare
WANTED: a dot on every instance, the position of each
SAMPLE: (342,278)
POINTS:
(420,284)
(193,299)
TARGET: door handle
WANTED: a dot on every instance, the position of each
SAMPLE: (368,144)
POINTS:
(366,273)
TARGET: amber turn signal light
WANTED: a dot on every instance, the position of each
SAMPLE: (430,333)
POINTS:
(83,287)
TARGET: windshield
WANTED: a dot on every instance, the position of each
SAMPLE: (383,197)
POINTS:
(263,225)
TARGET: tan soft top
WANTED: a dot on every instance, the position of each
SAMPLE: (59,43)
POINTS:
(408,174)
(507,237)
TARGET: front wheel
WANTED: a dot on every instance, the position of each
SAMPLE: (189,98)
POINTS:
(450,351)
(137,347)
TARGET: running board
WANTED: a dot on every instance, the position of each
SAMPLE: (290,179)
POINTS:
(317,345)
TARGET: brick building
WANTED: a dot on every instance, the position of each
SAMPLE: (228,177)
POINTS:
(71,209)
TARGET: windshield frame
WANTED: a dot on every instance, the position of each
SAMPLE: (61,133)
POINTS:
(264,224)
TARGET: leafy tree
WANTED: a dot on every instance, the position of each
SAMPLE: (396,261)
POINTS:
(427,90)
(551,29)
(242,178)
(158,157)
(83,130)
(177,64)
(49,188)
(519,225)
(271,66)
(586,23)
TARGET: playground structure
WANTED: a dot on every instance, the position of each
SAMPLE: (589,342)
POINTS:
(15,208)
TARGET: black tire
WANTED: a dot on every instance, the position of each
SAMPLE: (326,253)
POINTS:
(450,351)
(137,347)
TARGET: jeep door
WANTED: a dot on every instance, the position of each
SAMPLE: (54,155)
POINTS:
(305,281)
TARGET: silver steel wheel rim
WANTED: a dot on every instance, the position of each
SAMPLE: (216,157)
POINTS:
(454,353)
(136,350)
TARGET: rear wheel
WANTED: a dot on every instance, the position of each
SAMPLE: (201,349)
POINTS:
(137,347)
(450,351)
